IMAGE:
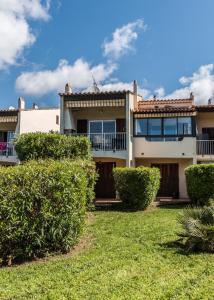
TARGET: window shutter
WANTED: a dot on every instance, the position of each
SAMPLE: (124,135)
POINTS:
(120,125)
(82,126)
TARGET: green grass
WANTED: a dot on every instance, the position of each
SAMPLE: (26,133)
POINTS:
(127,259)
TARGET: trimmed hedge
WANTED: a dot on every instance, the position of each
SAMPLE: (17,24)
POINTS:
(42,207)
(200,183)
(137,187)
(34,146)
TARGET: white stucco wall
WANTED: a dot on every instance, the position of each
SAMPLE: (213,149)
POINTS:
(42,120)
(185,148)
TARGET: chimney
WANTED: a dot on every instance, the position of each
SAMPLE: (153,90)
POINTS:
(68,89)
(191,96)
(135,93)
(21,103)
(35,106)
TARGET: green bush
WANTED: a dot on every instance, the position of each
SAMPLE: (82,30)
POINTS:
(34,146)
(137,187)
(198,229)
(200,183)
(89,169)
(42,207)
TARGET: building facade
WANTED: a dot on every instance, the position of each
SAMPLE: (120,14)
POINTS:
(14,122)
(126,130)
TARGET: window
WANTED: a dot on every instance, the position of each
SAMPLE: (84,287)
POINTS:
(57,119)
(164,127)
(95,127)
(109,127)
(102,126)
(154,126)
(185,126)
(141,126)
(170,126)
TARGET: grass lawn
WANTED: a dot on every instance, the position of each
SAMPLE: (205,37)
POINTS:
(127,259)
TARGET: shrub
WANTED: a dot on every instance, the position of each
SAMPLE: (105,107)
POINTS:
(198,226)
(200,183)
(42,207)
(34,146)
(89,169)
(137,187)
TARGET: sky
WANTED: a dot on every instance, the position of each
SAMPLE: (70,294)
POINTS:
(167,46)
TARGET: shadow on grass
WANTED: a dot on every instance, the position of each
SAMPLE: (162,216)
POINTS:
(176,245)
(120,207)
(181,248)
(174,206)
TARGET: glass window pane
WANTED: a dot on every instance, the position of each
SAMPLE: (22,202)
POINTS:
(154,126)
(109,126)
(184,126)
(170,126)
(96,127)
(141,126)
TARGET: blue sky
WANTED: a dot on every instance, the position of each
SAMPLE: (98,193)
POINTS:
(167,46)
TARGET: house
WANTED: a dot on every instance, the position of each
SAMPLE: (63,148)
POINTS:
(14,122)
(127,130)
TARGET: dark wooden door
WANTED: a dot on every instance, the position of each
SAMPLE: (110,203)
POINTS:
(169,185)
(105,187)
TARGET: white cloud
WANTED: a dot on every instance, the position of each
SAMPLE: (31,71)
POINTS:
(120,86)
(15,31)
(122,40)
(159,92)
(201,83)
(79,75)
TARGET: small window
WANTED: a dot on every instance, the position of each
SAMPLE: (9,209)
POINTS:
(154,126)
(141,126)
(109,127)
(185,126)
(57,119)
(170,126)
(95,126)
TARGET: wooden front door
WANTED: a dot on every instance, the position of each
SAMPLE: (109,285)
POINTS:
(105,187)
(169,185)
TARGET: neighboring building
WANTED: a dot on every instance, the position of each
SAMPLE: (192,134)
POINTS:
(14,122)
(126,130)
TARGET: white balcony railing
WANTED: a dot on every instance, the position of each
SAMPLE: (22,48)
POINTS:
(106,141)
(7,149)
(205,147)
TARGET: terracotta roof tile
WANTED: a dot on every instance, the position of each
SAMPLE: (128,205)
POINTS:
(165,109)
(205,108)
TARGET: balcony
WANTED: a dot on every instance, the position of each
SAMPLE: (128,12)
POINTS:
(106,141)
(205,148)
(7,153)
(107,144)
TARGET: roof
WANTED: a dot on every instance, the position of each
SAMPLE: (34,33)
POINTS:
(172,109)
(9,112)
(164,101)
(103,95)
(205,108)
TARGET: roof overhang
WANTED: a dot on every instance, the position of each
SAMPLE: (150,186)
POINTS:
(8,116)
(138,115)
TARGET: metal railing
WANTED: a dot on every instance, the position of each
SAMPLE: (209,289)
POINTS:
(106,141)
(7,149)
(205,147)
